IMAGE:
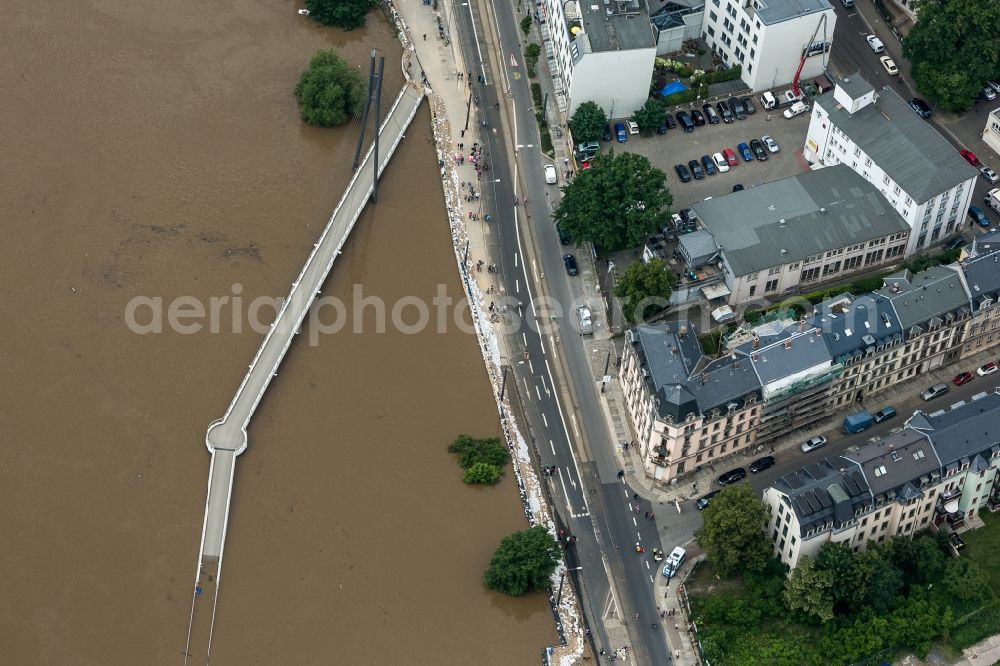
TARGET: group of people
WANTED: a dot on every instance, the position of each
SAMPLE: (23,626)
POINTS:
(471,195)
(550,470)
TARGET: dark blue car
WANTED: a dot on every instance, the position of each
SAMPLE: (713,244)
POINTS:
(977,215)
(620,133)
(745,152)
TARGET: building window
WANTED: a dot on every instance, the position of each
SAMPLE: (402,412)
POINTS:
(772,285)
(713,16)
(810,274)
(774,271)
(829,269)
(753,289)
(885,180)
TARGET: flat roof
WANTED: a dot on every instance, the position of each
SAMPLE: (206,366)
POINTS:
(901,143)
(793,218)
(619,31)
(776,11)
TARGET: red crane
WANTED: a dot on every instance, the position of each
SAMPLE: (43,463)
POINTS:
(805,54)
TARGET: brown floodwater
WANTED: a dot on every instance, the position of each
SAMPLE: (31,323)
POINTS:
(153,149)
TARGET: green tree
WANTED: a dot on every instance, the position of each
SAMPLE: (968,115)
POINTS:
(809,589)
(531,53)
(524,561)
(588,122)
(346,14)
(965,580)
(848,589)
(954,48)
(483,474)
(885,581)
(650,115)
(615,204)
(645,289)
(732,532)
(471,451)
(330,91)
(526,25)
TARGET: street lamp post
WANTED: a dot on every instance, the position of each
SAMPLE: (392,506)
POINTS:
(562,578)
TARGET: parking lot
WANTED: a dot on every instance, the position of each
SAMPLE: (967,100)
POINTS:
(677,147)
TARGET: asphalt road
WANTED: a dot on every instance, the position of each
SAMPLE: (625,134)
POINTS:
(593,504)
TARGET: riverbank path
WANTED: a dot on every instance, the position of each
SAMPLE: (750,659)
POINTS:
(227,437)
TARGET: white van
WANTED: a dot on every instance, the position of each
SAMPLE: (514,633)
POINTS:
(767,100)
(674,562)
(796,109)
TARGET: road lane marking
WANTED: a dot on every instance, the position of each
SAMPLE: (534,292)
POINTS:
(647,564)
(633,520)
(545,420)
(565,494)
(515,260)
(517,286)
(538,393)
(552,446)
(576,428)
(532,368)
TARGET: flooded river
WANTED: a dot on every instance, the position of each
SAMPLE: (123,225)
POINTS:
(153,149)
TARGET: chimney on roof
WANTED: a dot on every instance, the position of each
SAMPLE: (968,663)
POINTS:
(756,343)
(788,343)
(822,209)
(781,223)
(818,331)
(682,331)
(802,325)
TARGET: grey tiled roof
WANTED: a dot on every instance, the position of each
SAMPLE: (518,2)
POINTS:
(986,243)
(700,246)
(773,360)
(851,325)
(830,490)
(982,276)
(901,143)
(776,11)
(962,433)
(934,294)
(790,219)
(724,381)
(896,460)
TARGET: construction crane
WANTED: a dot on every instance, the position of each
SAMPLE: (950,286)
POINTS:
(806,52)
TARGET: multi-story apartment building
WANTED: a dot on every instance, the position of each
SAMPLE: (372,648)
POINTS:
(767,37)
(940,467)
(982,279)
(991,133)
(599,52)
(879,136)
(686,410)
(798,232)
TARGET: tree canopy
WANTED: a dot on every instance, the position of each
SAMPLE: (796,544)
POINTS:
(482,459)
(645,289)
(330,91)
(732,532)
(615,204)
(524,561)
(346,14)
(588,122)
(955,49)
(809,589)
(650,115)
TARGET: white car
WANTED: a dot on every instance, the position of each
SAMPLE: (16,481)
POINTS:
(720,163)
(889,65)
(989,93)
(771,144)
(550,174)
(633,127)
(812,444)
(987,369)
(995,85)
(875,43)
(989,174)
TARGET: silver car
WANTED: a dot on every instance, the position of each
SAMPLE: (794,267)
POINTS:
(812,443)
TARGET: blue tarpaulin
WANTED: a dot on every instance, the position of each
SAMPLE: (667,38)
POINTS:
(672,88)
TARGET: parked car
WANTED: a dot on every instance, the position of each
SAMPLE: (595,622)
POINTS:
(738,110)
(685,121)
(858,422)
(710,114)
(725,112)
(687,215)
(884,414)
(921,107)
(720,162)
(875,43)
(674,561)
(761,464)
(696,170)
(732,476)
(796,109)
(708,164)
(698,117)
(564,238)
(962,378)
(935,391)
(671,123)
(569,261)
(730,156)
(662,127)
(969,157)
(956,241)
(977,215)
(987,369)
(550,174)
(745,152)
(748,105)
(995,85)
(633,127)
(988,93)
(703,501)
(812,443)
(771,144)
(588,149)
(585,320)
(606,135)
(989,174)
(620,133)
(757,146)
(682,173)
(738,187)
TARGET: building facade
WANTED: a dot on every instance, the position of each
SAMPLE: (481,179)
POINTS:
(766,38)
(599,52)
(991,133)
(982,279)
(799,232)
(881,138)
(941,469)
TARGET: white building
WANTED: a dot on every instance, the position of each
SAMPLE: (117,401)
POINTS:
(991,133)
(767,37)
(599,52)
(801,231)
(880,137)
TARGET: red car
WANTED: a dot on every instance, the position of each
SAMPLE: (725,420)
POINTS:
(730,156)
(962,378)
(969,156)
